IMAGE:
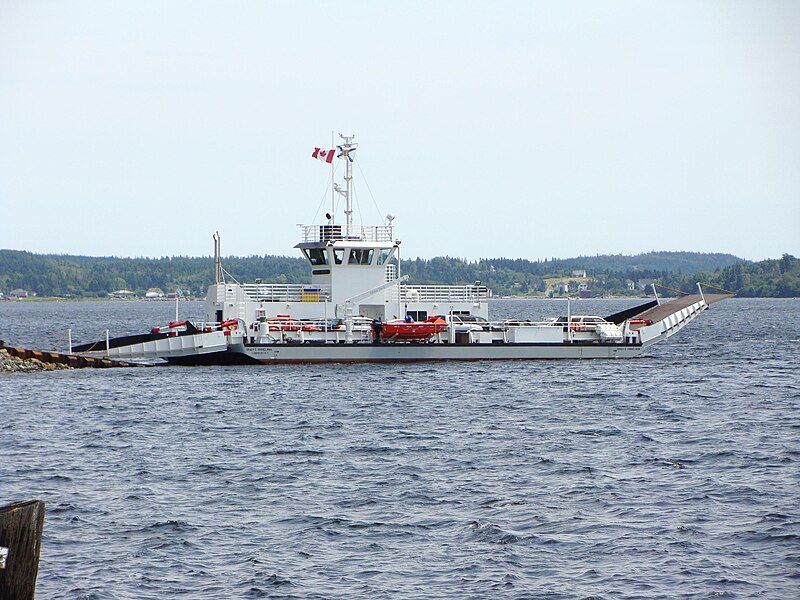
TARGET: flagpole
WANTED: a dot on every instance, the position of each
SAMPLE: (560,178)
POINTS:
(333,191)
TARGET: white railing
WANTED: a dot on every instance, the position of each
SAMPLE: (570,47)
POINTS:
(287,292)
(367,233)
(442,293)
(320,233)
(377,233)
(320,330)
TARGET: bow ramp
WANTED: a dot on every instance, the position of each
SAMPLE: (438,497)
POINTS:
(656,322)
(158,345)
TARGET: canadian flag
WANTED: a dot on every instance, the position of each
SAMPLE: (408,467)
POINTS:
(323,155)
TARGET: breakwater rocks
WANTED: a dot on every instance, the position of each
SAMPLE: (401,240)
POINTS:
(15,364)
(25,360)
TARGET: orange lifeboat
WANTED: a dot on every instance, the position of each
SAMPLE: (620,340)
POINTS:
(408,331)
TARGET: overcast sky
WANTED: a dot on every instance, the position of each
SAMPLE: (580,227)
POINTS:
(518,129)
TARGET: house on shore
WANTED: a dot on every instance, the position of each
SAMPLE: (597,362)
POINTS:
(154,294)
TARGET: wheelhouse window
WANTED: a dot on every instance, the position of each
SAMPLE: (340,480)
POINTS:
(360,256)
(338,255)
(417,315)
(384,255)
(316,256)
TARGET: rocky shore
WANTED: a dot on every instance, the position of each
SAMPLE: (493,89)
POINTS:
(13,364)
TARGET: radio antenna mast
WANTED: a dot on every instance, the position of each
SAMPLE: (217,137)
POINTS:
(219,276)
(345,150)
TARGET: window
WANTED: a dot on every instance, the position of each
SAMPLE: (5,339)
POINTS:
(417,315)
(468,318)
(316,256)
(338,256)
(384,255)
(360,256)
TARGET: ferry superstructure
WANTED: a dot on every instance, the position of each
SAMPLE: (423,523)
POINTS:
(358,306)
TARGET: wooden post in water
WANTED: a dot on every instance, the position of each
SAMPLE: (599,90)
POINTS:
(21,527)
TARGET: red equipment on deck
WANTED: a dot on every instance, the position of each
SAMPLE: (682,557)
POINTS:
(401,330)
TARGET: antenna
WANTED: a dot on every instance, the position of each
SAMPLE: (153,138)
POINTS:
(219,276)
(333,188)
(345,149)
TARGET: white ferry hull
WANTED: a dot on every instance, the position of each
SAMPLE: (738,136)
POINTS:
(231,346)
(352,353)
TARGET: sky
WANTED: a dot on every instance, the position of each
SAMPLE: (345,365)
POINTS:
(515,129)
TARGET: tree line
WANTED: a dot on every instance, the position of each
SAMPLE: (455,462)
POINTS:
(86,276)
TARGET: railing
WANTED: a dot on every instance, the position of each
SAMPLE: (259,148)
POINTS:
(377,233)
(442,293)
(367,233)
(287,292)
(330,330)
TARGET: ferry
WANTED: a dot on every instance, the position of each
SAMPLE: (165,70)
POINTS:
(359,307)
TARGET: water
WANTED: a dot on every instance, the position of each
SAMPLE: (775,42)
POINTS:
(674,474)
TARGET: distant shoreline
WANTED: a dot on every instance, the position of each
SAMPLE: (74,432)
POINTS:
(56,276)
(36,299)
(91,299)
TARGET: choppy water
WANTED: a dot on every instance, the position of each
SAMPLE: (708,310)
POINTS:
(675,474)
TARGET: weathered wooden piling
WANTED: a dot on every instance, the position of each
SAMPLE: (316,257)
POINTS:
(21,526)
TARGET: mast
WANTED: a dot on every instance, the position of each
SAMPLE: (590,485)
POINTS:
(345,149)
(218,276)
